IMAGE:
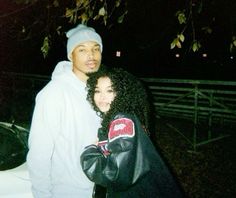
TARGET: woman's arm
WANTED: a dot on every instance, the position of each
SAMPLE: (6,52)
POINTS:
(118,166)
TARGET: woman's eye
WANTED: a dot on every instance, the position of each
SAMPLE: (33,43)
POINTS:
(110,91)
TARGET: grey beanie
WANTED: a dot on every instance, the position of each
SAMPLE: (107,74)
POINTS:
(80,34)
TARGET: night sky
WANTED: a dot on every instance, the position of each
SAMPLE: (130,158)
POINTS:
(144,41)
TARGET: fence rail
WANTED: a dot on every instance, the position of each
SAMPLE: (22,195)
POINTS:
(195,100)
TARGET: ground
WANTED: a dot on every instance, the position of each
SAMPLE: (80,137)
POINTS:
(209,172)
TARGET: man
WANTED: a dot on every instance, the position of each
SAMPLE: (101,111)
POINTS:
(64,123)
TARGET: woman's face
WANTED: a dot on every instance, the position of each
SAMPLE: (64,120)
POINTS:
(104,94)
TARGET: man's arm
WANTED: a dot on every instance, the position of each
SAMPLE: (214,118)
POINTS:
(44,126)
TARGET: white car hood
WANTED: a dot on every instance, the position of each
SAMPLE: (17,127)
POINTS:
(15,183)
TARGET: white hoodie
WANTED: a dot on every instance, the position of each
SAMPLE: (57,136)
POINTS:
(63,124)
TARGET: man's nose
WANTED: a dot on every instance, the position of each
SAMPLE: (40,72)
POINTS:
(90,54)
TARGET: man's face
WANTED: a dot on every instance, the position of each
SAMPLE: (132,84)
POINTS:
(86,58)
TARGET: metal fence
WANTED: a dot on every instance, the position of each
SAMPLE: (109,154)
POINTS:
(17,95)
(199,101)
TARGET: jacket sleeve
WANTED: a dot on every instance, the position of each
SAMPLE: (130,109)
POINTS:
(120,168)
(96,165)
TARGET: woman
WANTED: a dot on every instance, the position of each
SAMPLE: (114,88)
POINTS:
(124,160)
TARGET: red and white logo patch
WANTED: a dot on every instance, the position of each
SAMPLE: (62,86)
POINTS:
(103,146)
(122,127)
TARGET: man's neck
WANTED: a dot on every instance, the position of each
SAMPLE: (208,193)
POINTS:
(81,76)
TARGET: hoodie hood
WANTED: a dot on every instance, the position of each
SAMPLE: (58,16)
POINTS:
(63,72)
(62,68)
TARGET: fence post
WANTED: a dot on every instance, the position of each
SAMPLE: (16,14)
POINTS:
(210,116)
(195,116)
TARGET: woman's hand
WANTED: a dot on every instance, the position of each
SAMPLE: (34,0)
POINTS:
(96,143)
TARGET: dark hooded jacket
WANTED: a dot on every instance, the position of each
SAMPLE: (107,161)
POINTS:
(128,164)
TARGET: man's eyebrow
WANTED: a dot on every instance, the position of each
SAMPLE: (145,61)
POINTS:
(83,45)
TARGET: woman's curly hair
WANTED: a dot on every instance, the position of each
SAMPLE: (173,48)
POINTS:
(131,96)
